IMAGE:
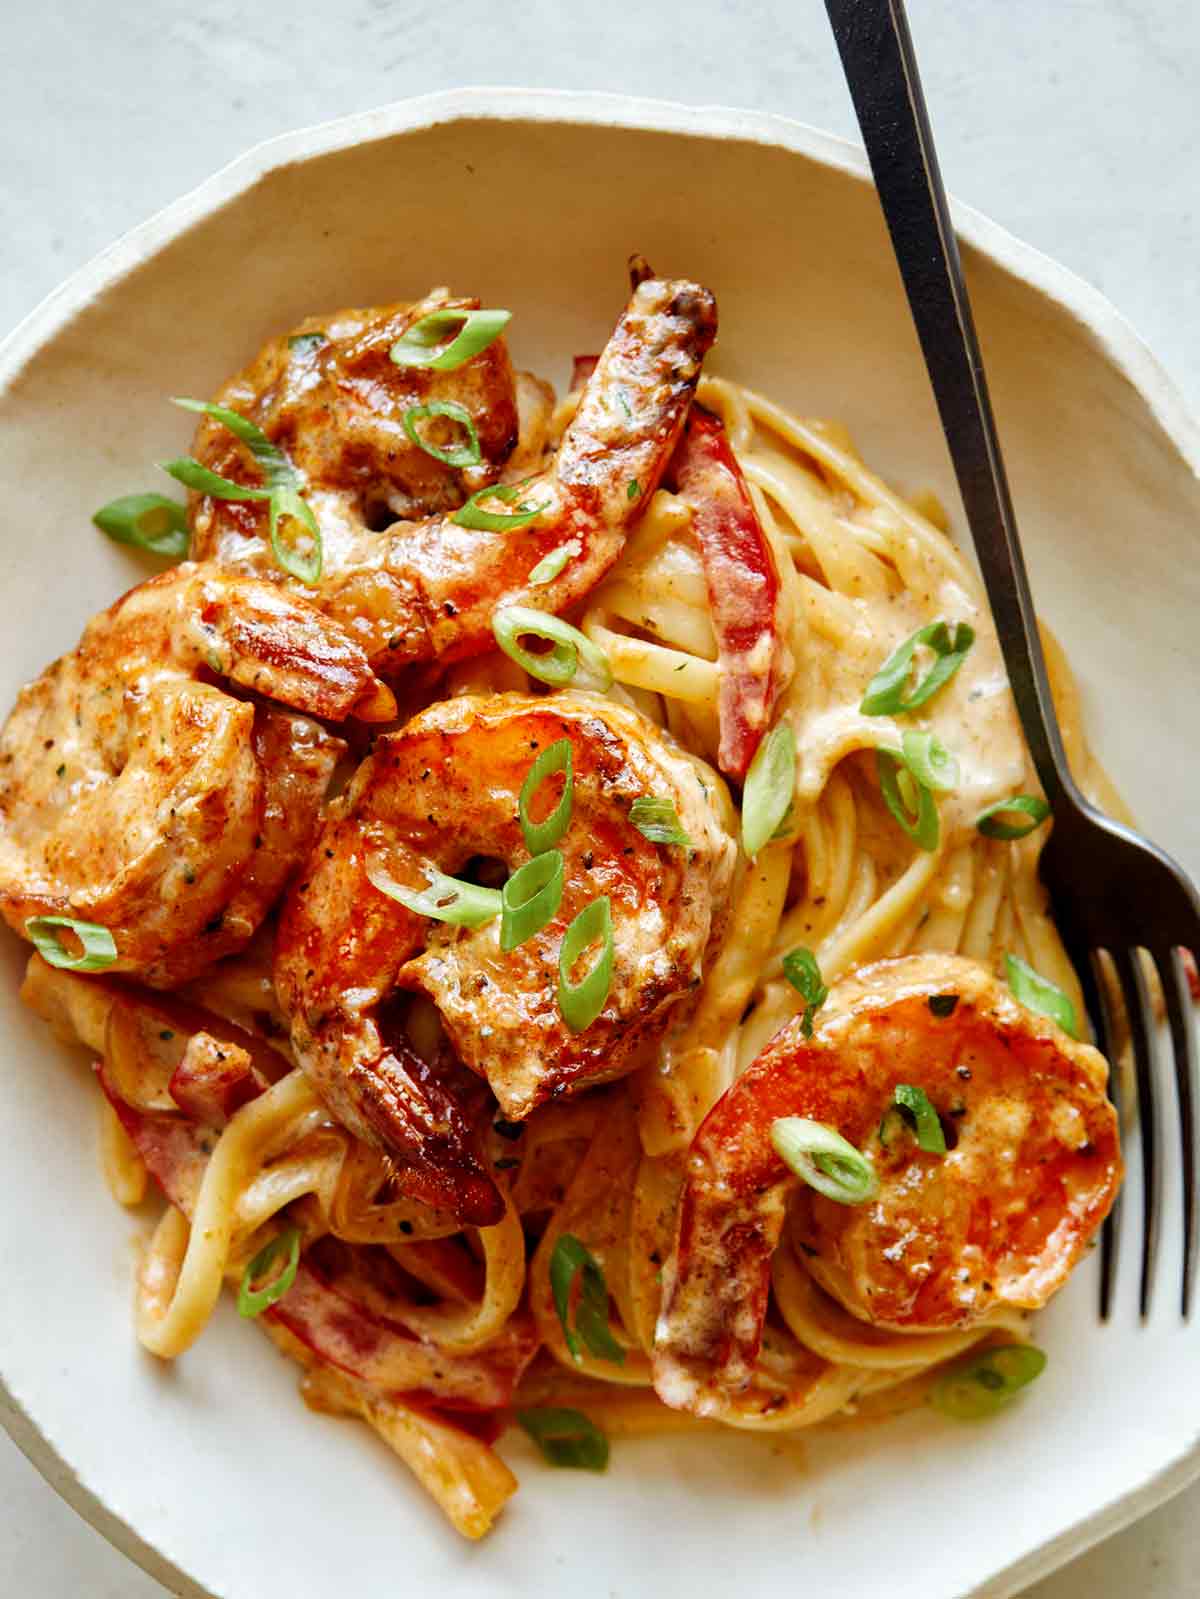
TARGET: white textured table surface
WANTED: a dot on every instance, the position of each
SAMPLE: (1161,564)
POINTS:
(1074,124)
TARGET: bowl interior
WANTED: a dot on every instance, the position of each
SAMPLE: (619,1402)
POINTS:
(215,1463)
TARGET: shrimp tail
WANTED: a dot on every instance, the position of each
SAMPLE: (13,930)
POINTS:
(718,1280)
(639,270)
(431,1145)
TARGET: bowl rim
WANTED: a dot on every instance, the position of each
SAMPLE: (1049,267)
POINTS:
(1097,317)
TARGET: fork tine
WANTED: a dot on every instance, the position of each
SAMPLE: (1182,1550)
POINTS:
(1178,998)
(1132,977)
(1096,999)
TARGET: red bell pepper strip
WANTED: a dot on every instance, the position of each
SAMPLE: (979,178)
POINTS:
(743,586)
(326,1316)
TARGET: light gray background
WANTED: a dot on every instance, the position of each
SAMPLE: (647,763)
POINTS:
(1075,123)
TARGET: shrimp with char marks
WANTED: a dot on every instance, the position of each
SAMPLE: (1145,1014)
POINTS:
(425,588)
(997,1222)
(139,793)
(329,395)
(435,795)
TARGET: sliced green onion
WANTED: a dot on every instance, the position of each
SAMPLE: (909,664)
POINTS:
(530,898)
(99,946)
(283,491)
(288,506)
(580,1003)
(824,1160)
(770,787)
(551,565)
(1038,993)
(147,521)
(566,1438)
(928,1128)
(980,1385)
(467,454)
(930,762)
(658,820)
(573,1259)
(541,835)
(802,972)
(885,694)
(919,817)
(253,1301)
(276,468)
(423,344)
(1032,806)
(446,899)
(571,648)
(306,345)
(199,478)
(471,514)
(943,1005)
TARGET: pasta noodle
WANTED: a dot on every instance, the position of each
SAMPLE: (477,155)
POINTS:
(861,568)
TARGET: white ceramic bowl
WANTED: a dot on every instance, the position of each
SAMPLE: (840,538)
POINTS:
(212,1474)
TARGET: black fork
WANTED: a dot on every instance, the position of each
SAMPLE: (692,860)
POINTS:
(1114,893)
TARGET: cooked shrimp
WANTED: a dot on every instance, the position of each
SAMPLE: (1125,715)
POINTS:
(419,590)
(138,794)
(998,1222)
(439,793)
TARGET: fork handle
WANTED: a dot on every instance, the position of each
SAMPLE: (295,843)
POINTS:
(881,70)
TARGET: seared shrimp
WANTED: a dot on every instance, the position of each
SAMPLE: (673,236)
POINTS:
(329,394)
(997,1222)
(138,794)
(423,589)
(438,793)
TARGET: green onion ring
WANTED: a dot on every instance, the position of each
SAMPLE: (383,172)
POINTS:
(422,343)
(580,1003)
(658,820)
(1032,806)
(1039,994)
(551,565)
(287,505)
(930,762)
(253,1301)
(472,515)
(283,490)
(570,1259)
(981,1384)
(99,946)
(915,1101)
(919,821)
(770,787)
(530,899)
(802,972)
(446,899)
(468,454)
(539,836)
(566,1437)
(824,1160)
(885,692)
(277,469)
(147,521)
(571,647)
(203,481)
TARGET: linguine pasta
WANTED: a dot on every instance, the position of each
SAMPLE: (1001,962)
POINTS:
(447,1318)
